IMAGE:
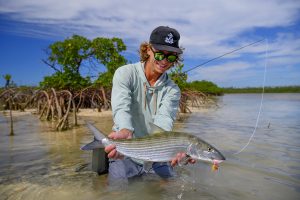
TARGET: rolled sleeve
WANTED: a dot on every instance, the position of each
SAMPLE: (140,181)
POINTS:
(121,99)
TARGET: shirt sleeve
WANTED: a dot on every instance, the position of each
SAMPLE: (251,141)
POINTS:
(168,108)
(121,99)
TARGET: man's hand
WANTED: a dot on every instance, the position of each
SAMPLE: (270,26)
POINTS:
(111,149)
(181,156)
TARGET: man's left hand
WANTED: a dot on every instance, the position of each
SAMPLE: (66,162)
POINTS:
(179,157)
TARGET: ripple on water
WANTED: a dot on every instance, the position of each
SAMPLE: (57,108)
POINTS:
(39,163)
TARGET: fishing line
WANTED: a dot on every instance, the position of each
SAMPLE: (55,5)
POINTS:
(261,100)
(263,84)
(225,54)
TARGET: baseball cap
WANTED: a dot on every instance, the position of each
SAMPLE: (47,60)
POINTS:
(166,39)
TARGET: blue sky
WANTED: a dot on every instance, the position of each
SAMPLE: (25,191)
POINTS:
(208,28)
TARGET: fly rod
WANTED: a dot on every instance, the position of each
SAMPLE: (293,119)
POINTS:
(224,55)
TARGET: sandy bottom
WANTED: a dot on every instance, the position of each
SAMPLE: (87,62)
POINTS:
(17,113)
(94,113)
(82,112)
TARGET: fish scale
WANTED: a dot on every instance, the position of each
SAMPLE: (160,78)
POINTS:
(159,147)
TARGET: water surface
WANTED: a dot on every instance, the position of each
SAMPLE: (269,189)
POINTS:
(39,163)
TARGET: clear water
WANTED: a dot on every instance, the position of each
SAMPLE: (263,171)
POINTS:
(39,163)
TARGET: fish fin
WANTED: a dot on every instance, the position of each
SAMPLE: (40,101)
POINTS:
(155,129)
(93,145)
(97,133)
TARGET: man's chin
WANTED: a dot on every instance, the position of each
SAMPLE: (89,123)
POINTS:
(162,69)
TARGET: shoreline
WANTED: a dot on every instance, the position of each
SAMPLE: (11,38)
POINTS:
(89,112)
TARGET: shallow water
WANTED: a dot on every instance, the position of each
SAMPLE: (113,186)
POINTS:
(39,163)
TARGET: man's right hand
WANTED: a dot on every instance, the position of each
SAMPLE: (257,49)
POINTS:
(111,149)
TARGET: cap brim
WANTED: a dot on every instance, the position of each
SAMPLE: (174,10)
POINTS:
(166,48)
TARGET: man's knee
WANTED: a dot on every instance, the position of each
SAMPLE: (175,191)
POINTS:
(164,170)
(123,169)
(117,169)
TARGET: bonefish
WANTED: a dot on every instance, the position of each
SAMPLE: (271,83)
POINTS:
(160,146)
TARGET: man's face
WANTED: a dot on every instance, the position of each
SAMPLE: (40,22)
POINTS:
(161,61)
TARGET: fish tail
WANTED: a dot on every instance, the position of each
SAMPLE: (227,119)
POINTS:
(98,138)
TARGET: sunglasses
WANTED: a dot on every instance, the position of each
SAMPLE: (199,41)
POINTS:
(159,56)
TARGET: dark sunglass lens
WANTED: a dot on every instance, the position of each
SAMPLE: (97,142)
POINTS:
(172,58)
(159,56)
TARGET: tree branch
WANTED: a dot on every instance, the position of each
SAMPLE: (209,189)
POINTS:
(51,65)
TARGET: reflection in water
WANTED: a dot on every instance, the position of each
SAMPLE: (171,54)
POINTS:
(38,163)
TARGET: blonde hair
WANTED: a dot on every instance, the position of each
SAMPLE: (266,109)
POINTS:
(144,55)
(143,51)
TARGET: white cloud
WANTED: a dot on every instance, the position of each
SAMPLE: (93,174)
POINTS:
(200,22)
(221,73)
(208,27)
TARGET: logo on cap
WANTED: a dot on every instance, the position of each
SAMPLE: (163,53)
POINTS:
(169,39)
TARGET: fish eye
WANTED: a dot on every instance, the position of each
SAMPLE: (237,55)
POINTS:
(209,149)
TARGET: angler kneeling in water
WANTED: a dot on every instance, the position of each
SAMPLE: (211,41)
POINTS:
(142,95)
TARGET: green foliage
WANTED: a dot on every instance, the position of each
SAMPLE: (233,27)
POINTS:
(179,77)
(205,87)
(279,89)
(7,78)
(69,81)
(70,53)
(105,80)
(107,51)
(68,56)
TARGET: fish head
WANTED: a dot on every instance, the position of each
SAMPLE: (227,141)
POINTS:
(200,150)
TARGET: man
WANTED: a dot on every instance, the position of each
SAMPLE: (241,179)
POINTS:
(143,94)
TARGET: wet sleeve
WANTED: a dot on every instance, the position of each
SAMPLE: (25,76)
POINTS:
(121,99)
(168,108)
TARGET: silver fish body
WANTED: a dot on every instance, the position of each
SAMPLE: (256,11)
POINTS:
(160,147)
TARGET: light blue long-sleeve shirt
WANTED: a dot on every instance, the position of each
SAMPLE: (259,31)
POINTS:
(131,110)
